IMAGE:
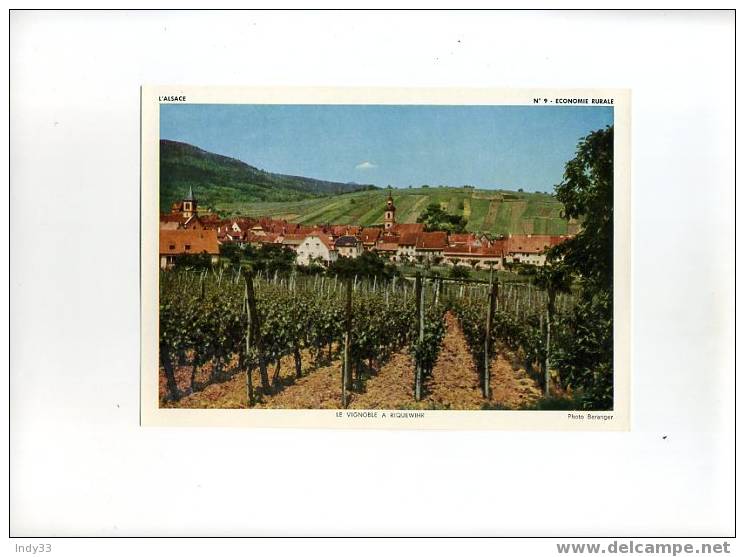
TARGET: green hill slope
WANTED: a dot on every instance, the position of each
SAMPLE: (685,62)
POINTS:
(232,187)
(496,212)
(226,184)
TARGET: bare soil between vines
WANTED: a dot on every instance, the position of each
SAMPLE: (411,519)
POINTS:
(453,385)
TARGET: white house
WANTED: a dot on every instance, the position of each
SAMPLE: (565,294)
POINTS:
(316,247)
(407,247)
(530,248)
(348,246)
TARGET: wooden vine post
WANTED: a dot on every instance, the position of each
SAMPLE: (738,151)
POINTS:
(547,379)
(487,340)
(255,324)
(420,325)
(249,381)
(551,292)
(165,358)
(346,375)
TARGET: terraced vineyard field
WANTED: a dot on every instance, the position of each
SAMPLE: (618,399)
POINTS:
(487,211)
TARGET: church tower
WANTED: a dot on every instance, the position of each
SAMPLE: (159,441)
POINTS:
(390,213)
(189,205)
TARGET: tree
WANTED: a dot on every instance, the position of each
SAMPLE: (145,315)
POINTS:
(434,218)
(270,258)
(587,194)
(457,271)
(369,264)
(232,252)
(584,355)
(196,261)
(554,277)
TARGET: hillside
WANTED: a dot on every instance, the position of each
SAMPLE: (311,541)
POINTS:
(493,211)
(226,183)
(232,187)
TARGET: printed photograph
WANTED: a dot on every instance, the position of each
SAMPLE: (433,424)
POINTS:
(390,257)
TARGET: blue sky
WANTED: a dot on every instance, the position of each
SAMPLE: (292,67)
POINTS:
(484,146)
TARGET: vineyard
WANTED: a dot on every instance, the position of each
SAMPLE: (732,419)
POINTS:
(231,339)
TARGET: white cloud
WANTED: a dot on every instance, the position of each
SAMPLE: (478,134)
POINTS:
(366,165)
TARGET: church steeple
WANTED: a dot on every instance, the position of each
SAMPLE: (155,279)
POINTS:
(189,204)
(390,212)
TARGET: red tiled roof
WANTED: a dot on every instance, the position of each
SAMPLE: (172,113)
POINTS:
(462,239)
(244,224)
(269,238)
(339,230)
(196,222)
(387,246)
(494,251)
(370,235)
(293,238)
(408,228)
(432,240)
(473,251)
(172,217)
(210,218)
(408,239)
(263,238)
(524,243)
(174,242)
(461,249)
(500,244)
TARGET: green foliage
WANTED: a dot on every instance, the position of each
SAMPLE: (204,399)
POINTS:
(559,403)
(378,327)
(554,277)
(199,261)
(270,258)
(587,193)
(204,315)
(219,180)
(512,331)
(232,252)
(584,348)
(426,350)
(434,218)
(458,271)
(368,265)
(486,211)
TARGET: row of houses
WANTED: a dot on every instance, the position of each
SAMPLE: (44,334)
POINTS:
(184,230)
(438,248)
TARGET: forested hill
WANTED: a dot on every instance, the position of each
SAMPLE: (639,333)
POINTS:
(220,181)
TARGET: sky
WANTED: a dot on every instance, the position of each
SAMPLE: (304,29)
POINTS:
(489,147)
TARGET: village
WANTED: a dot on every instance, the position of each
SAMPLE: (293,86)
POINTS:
(186,231)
